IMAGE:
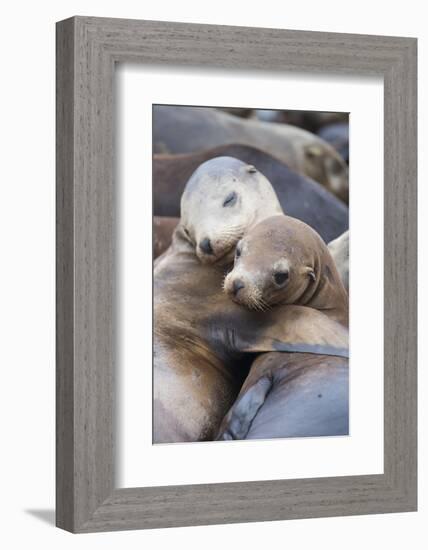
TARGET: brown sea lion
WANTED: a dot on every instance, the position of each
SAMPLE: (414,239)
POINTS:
(298,195)
(191,129)
(201,338)
(282,261)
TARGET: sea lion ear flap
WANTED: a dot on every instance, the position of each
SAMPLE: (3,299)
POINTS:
(313,151)
(182,235)
(310,273)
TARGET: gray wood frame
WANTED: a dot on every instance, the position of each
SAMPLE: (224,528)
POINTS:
(87,50)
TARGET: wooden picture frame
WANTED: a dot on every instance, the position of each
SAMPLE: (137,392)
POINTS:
(87,50)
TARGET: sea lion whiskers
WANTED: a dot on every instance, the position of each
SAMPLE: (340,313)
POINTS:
(256,302)
(261,301)
(234,231)
(265,304)
(253,304)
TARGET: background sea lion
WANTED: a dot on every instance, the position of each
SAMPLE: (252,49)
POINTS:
(338,137)
(191,129)
(298,195)
(312,121)
(201,338)
(282,260)
(291,395)
(339,249)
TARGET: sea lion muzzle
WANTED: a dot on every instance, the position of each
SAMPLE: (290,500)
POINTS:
(237,286)
(205,246)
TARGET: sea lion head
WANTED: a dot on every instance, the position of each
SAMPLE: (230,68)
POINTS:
(279,261)
(324,164)
(222,199)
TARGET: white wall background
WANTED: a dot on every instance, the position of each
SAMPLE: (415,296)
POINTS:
(27,272)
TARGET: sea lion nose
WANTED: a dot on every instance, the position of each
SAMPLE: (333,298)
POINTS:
(237,285)
(205,246)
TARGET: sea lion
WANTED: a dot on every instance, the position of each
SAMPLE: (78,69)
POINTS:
(298,195)
(282,261)
(191,129)
(312,121)
(339,249)
(291,395)
(202,340)
(338,137)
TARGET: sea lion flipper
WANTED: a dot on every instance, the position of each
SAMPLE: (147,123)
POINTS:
(240,417)
(293,329)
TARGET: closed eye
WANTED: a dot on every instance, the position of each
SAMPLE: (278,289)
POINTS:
(230,199)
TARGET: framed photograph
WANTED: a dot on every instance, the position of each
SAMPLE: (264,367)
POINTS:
(236,274)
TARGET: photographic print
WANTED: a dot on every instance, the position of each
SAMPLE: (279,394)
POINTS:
(229,330)
(250,274)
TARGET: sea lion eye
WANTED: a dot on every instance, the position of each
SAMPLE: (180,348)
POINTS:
(238,252)
(280,277)
(230,199)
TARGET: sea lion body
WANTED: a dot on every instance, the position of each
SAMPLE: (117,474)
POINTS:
(192,129)
(299,196)
(291,395)
(194,381)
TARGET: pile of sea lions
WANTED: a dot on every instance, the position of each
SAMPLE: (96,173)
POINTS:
(250,303)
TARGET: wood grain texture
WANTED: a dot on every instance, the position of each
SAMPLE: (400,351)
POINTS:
(87,49)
